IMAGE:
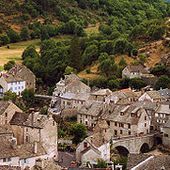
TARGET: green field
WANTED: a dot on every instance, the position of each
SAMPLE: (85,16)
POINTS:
(15,51)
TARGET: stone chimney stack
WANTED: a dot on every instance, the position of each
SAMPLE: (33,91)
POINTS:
(31,111)
(35,149)
(13,143)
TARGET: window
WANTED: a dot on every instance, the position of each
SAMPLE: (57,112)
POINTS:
(129,132)
(115,132)
(26,129)
(27,139)
(166,135)
(121,113)
(6,114)
(85,144)
(53,123)
(121,125)
(145,117)
(108,122)
(6,159)
(145,124)
(25,161)
(115,123)
(128,125)
(121,132)
(86,116)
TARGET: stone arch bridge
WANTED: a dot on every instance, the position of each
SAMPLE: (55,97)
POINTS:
(133,144)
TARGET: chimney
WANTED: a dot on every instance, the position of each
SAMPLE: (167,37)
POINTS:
(13,143)
(40,163)
(31,111)
(35,147)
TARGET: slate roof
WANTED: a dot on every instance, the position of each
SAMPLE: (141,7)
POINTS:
(5,129)
(18,68)
(71,77)
(167,124)
(22,151)
(154,94)
(164,93)
(75,96)
(102,92)
(155,163)
(113,113)
(26,150)
(164,108)
(137,68)
(93,109)
(3,106)
(135,159)
(9,78)
(25,119)
(97,139)
(8,167)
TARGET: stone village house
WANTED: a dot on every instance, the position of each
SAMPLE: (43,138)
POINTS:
(134,71)
(17,79)
(69,93)
(12,83)
(24,155)
(33,127)
(96,146)
(127,120)
(7,110)
(25,74)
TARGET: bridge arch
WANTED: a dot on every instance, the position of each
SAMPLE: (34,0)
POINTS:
(144,148)
(122,150)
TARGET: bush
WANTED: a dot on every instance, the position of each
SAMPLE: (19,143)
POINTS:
(13,36)
(4,39)
(9,65)
(137,83)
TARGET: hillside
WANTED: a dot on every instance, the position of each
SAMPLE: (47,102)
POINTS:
(103,35)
